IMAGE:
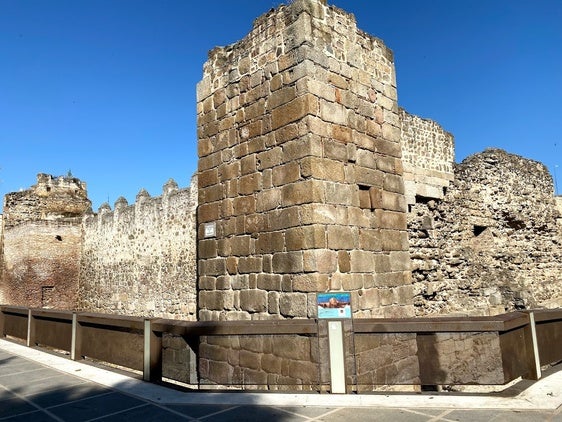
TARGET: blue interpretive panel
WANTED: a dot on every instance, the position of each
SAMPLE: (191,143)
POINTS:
(334,305)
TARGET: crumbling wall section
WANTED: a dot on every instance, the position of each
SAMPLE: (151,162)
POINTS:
(492,244)
(428,154)
(558,202)
(52,198)
(140,259)
(41,264)
(41,243)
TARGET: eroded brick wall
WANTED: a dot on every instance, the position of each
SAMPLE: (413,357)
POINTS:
(41,243)
(41,265)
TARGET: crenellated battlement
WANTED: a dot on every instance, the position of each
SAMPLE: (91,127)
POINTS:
(143,201)
(139,259)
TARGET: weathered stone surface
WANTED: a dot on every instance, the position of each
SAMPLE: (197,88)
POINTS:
(253,300)
(492,244)
(386,359)
(427,150)
(41,240)
(317,139)
(287,262)
(293,305)
(310,283)
(140,260)
(458,358)
(314,180)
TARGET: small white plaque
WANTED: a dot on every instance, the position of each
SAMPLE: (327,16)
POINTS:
(210,229)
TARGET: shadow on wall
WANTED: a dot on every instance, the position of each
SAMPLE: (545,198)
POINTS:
(464,355)
(431,373)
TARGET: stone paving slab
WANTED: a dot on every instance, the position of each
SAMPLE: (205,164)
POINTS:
(38,386)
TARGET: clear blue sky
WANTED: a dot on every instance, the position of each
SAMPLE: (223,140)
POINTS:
(106,88)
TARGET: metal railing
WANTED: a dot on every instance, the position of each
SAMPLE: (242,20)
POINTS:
(294,354)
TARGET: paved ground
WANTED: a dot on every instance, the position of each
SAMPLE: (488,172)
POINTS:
(37,386)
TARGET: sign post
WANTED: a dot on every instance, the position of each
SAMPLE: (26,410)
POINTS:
(335,306)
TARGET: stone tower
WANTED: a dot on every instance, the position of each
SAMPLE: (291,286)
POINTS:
(41,241)
(300,171)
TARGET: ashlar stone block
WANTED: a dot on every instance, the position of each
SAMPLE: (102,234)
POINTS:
(342,237)
(253,300)
(305,237)
(288,262)
(294,110)
(323,169)
(304,192)
(320,260)
(287,173)
(217,299)
(344,262)
(310,282)
(362,261)
(293,305)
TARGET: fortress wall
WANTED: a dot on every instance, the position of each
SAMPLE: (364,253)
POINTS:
(140,259)
(300,185)
(492,244)
(428,154)
(300,170)
(310,179)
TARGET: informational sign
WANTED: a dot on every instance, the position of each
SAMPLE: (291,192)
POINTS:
(210,229)
(334,305)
